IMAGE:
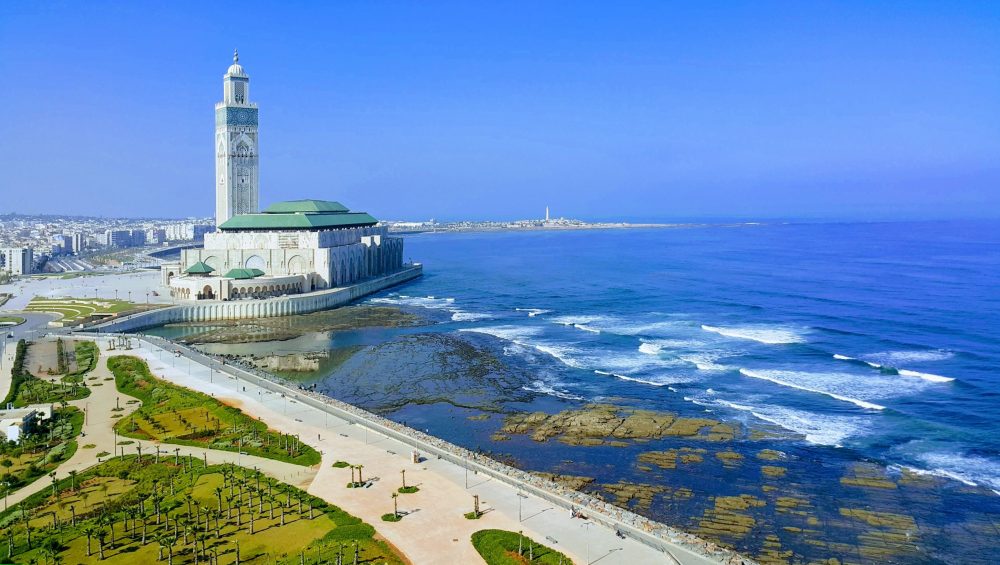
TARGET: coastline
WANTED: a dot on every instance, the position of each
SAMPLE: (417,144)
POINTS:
(682,547)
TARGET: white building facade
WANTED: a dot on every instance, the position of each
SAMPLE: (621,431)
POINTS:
(17,260)
(237,162)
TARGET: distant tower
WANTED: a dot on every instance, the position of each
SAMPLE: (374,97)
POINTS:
(546,213)
(236,151)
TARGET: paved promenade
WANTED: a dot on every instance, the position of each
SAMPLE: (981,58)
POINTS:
(447,485)
(433,529)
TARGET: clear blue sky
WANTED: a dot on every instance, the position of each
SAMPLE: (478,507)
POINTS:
(494,110)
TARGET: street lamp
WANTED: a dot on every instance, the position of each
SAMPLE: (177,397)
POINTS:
(520,497)
(587,525)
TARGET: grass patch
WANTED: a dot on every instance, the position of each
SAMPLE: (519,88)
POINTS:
(11,321)
(341,464)
(127,511)
(90,446)
(500,547)
(79,310)
(390,517)
(174,414)
(408,490)
(473,515)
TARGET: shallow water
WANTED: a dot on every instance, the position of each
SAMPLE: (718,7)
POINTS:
(839,345)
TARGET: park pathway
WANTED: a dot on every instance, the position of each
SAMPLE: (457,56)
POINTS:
(98,430)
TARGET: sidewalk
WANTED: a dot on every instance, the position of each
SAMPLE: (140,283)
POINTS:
(434,530)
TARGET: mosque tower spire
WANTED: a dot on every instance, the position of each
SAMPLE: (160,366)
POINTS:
(236,150)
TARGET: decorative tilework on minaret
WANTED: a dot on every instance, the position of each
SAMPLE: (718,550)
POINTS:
(237,163)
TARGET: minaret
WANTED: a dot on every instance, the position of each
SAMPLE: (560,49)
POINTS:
(546,213)
(236,151)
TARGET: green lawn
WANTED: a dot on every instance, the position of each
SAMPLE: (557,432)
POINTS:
(174,414)
(77,310)
(185,513)
(11,320)
(500,547)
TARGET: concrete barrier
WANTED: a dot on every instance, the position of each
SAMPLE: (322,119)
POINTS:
(216,310)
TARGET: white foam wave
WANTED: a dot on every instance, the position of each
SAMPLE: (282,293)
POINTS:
(796,380)
(818,429)
(435,303)
(926,376)
(704,361)
(461,316)
(532,312)
(650,348)
(972,470)
(543,388)
(896,358)
(623,326)
(633,379)
(905,372)
(760,334)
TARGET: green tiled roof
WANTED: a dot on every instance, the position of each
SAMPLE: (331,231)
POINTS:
(243,273)
(297,221)
(199,268)
(305,207)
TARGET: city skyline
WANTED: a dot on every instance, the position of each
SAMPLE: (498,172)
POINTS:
(655,112)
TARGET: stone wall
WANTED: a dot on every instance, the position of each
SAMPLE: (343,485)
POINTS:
(207,311)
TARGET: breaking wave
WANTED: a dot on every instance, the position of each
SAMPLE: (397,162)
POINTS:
(434,303)
(543,388)
(760,334)
(797,381)
(893,370)
(818,429)
(633,379)
(532,312)
(972,470)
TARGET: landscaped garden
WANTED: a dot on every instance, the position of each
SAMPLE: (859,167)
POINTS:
(174,414)
(39,452)
(500,547)
(27,389)
(11,320)
(176,510)
(78,310)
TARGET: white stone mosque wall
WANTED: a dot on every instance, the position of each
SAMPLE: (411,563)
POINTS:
(213,310)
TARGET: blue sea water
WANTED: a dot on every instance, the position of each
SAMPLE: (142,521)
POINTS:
(882,339)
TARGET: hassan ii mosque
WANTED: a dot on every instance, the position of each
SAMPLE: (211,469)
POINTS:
(289,248)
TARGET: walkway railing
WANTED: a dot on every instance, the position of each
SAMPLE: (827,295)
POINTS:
(654,534)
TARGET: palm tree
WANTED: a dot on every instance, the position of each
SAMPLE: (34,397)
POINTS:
(101,534)
(395,505)
(72,476)
(52,476)
(403,472)
(360,480)
(89,530)
(218,495)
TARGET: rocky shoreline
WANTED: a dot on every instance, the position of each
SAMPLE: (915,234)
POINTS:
(582,502)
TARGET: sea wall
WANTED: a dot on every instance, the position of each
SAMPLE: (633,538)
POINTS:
(216,310)
(676,545)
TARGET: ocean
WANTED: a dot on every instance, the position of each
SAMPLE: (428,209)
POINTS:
(864,355)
